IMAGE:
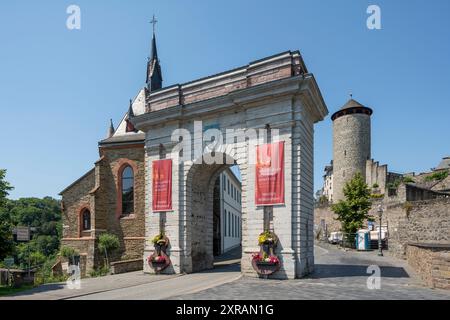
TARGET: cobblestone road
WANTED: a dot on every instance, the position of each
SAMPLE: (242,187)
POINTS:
(339,275)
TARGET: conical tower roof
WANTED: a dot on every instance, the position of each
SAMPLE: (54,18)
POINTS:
(350,107)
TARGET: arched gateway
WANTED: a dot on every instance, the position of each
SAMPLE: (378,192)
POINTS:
(186,125)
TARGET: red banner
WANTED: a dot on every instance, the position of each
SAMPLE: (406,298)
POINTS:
(269,176)
(162,185)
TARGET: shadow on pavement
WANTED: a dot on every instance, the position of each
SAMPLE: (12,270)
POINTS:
(42,288)
(342,270)
(235,267)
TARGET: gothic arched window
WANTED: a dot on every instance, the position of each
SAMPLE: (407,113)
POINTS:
(86,220)
(127,191)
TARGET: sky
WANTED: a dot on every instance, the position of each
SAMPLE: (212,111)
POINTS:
(60,87)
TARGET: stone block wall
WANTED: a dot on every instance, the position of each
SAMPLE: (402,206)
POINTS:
(98,192)
(130,229)
(431,262)
(126,266)
(188,228)
(325,213)
(419,222)
(75,199)
(376,174)
(89,259)
(281,66)
(351,149)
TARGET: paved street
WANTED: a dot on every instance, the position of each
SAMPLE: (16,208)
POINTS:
(339,275)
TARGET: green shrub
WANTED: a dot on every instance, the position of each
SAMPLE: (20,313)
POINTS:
(108,242)
(99,272)
(437,176)
(375,185)
(408,179)
(68,252)
(395,184)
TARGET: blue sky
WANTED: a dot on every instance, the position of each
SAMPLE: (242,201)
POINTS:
(59,88)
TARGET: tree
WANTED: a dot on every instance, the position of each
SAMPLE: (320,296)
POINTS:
(6,238)
(69,253)
(353,211)
(108,243)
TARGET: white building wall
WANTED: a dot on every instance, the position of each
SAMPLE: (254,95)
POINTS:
(231,211)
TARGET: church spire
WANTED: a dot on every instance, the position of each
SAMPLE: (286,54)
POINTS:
(154,75)
(130,114)
(111,129)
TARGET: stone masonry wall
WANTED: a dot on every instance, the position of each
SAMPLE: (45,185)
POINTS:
(325,213)
(418,222)
(130,229)
(74,200)
(181,226)
(351,150)
(432,263)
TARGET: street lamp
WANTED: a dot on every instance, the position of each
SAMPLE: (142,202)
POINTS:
(380,213)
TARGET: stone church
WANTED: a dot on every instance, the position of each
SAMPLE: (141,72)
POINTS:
(110,197)
(273,93)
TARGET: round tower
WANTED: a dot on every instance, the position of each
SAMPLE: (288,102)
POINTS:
(351,144)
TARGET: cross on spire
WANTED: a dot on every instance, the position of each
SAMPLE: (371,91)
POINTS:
(154,22)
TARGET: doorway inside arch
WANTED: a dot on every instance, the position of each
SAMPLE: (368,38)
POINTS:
(227,214)
(215,210)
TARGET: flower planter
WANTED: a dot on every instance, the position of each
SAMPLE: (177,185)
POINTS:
(161,244)
(266,263)
(267,242)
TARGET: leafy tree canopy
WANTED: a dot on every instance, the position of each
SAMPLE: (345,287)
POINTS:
(6,239)
(353,211)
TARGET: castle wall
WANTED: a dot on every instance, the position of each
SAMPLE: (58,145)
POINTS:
(376,174)
(425,221)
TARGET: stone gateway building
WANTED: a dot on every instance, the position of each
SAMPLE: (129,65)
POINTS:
(277,94)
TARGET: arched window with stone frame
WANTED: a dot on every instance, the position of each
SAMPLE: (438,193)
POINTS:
(126,190)
(86,219)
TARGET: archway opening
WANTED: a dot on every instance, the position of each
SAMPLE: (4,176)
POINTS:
(216,215)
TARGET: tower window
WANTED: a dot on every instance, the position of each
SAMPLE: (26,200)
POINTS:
(127,191)
(86,220)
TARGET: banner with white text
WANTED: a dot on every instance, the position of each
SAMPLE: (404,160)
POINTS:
(162,185)
(269,178)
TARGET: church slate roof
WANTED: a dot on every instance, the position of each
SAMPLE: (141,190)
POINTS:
(126,138)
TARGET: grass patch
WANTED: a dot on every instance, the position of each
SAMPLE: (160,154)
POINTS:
(6,291)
